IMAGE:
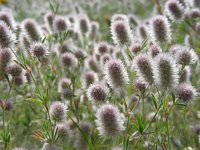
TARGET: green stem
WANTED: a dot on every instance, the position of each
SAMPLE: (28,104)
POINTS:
(168,135)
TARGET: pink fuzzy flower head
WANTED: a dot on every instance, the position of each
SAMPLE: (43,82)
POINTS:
(89,78)
(166,72)
(160,29)
(58,111)
(121,33)
(98,92)
(140,84)
(116,74)
(14,69)
(39,50)
(31,29)
(142,31)
(174,10)
(109,120)
(49,19)
(101,48)
(94,29)
(64,131)
(154,49)
(143,64)
(19,80)
(6,36)
(83,24)
(186,56)
(60,24)
(5,58)
(68,60)
(7,18)
(135,47)
(185,92)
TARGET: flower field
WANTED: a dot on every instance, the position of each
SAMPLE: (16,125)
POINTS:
(99,74)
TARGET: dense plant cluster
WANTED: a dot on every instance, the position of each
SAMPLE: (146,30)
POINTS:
(126,77)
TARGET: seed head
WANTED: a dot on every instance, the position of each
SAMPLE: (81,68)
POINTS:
(68,60)
(160,29)
(142,31)
(60,24)
(140,84)
(31,29)
(7,38)
(109,120)
(8,105)
(83,24)
(64,131)
(92,64)
(98,92)
(174,10)
(135,47)
(89,78)
(102,48)
(8,19)
(19,80)
(166,72)
(14,69)
(186,56)
(116,74)
(5,59)
(58,111)
(49,20)
(24,41)
(173,50)
(94,29)
(154,49)
(63,85)
(39,50)
(79,53)
(194,13)
(185,92)
(143,64)
(121,33)
(104,59)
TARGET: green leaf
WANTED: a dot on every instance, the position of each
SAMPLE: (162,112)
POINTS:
(154,101)
(144,43)
(173,97)
(35,100)
(181,104)
(126,143)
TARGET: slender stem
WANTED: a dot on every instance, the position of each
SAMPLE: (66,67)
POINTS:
(168,135)
(143,110)
(153,118)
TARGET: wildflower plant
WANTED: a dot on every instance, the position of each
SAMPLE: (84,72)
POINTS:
(92,75)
